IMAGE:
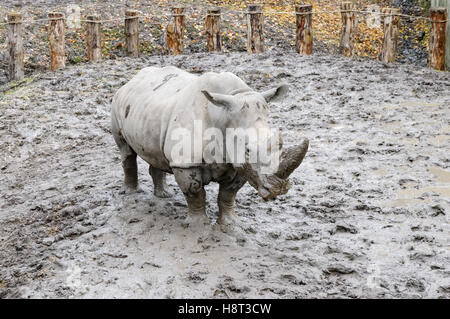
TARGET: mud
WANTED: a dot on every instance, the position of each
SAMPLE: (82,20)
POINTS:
(367,215)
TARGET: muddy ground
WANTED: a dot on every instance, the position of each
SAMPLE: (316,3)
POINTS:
(367,215)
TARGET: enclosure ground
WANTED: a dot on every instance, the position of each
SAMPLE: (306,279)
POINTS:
(367,215)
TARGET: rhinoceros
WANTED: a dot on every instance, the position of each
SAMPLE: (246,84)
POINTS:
(156,102)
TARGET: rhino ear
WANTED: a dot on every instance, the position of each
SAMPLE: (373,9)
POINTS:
(276,93)
(221,100)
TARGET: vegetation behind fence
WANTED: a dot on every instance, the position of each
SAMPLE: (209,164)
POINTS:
(279,18)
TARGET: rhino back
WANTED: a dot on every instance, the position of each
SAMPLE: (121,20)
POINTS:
(142,108)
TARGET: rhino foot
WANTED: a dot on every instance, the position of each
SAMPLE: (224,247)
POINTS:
(227,224)
(162,193)
(229,218)
(127,190)
(193,220)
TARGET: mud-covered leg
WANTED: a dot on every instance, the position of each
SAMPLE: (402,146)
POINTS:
(191,184)
(226,200)
(129,163)
(159,182)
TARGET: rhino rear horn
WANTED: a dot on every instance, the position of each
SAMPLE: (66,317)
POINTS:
(291,159)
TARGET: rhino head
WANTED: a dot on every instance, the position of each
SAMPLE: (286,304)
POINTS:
(247,109)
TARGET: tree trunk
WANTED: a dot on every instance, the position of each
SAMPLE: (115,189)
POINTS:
(132,33)
(57,40)
(348,26)
(437,38)
(255,36)
(15,45)
(93,41)
(391,22)
(304,38)
(212,27)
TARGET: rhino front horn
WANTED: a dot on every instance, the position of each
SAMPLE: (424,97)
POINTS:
(291,159)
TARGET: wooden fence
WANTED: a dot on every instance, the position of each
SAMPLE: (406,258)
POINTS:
(255,35)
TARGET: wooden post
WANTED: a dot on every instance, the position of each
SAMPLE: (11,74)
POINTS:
(255,36)
(212,27)
(15,46)
(176,45)
(391,22)
(171,44)
(437,38)
(445,4)
(304,38)
(347,32)
(56,38)
(93,41)
(132,33)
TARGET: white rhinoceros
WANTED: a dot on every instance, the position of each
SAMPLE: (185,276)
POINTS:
(159,103)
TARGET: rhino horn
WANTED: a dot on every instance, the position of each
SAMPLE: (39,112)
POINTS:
(291,159)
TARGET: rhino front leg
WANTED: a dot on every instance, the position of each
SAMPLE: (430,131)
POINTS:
(226,200)
(191,184)
(159,183)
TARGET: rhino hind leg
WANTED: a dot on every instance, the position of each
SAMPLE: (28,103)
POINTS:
(226,200)
(190,182)
(159,183)
(129,162)
(131,171)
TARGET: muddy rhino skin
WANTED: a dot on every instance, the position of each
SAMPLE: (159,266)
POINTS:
(146,111)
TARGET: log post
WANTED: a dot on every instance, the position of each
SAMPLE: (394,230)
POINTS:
(15,46)
(391,22)
(255,36)
(93,41)
(445,4)
(57,39)
(132,33)
(304,37)
(176,30)
(437,38)
(171,44)
(212,27)
(347,32)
